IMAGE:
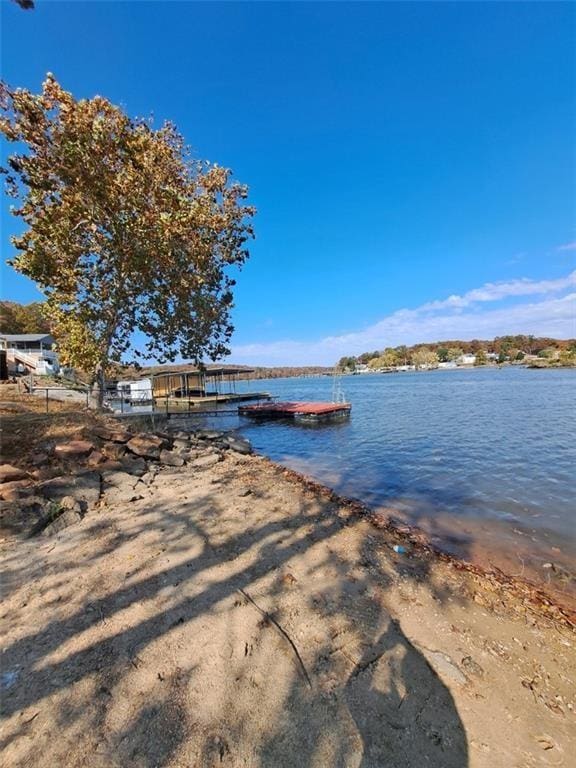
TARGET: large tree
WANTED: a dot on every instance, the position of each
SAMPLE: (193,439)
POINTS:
(125,231)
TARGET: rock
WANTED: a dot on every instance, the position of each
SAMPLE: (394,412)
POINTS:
(123,480)
(22,517)
(45,473)
(123,495)
(70,503)
(239,445)
(110,466)
(180,443)
(203,462)
(17,489)
(133,465)
(65,520)
(74,449)
(114,450)
(85,489)
(170,458)
(166,436)
(114,435)
(8,473)
(244,492)
(209,434)
(96,458)
(148,446)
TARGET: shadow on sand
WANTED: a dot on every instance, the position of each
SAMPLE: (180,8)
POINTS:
(155,658)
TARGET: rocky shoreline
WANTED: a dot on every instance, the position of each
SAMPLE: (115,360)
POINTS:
(106,464)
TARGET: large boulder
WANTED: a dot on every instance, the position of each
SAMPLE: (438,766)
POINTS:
(9,473)
(148,446)
(74,449)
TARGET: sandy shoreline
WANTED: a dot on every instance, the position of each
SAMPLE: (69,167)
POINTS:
(558,606)
(243,615)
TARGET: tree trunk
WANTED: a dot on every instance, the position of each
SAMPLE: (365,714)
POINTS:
(98,386)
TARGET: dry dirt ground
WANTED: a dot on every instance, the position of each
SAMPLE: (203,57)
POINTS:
(235,617)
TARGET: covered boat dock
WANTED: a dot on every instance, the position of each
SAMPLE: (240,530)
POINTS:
(201,386)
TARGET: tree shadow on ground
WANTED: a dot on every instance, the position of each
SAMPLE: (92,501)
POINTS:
(165,660)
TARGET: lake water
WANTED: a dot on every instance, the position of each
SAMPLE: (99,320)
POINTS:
(481,459)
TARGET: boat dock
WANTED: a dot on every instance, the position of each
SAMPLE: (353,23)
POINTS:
(307,412)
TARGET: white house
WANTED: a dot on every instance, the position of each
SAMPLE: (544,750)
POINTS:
(30,352)
(466,360)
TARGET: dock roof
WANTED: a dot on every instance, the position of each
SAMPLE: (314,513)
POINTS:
(208,371)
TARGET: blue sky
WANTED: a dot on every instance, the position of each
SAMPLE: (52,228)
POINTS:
(399,154)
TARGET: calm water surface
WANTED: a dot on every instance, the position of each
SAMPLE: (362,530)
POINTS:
(481,457)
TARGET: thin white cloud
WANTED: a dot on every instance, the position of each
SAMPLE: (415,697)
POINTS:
(457,317)
(567,247)
(504,290)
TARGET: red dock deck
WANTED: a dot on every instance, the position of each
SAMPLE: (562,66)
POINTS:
(306,411)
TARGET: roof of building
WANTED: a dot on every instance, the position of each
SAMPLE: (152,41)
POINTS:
(208,371)
(25,336)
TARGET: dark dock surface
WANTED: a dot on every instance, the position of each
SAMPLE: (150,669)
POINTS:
(304,411)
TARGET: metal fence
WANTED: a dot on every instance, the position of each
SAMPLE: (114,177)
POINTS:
(80,397)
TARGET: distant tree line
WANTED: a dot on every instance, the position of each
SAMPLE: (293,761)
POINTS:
(506,348)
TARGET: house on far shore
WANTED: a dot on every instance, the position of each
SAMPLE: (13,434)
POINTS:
(29,353)
(466,360)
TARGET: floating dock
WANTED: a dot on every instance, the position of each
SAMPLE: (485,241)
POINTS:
(307,412)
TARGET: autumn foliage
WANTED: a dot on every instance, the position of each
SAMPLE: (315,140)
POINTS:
(125,231)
